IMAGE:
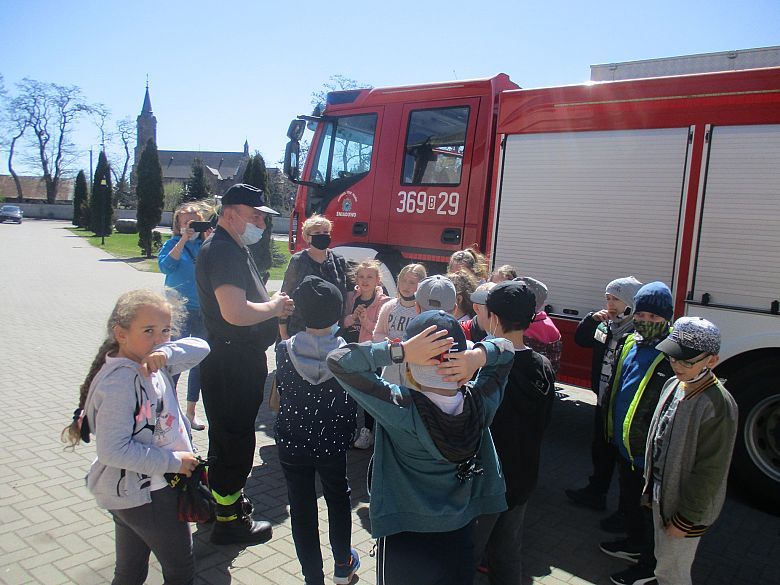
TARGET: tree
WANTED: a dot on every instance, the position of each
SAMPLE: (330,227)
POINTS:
(80,200)
(101,210)
(334,83)
(256,175)
(49,111)
(149,190)
(197,187)
(13,127)
(125,131)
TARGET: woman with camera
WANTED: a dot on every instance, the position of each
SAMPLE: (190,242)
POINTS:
(177,261)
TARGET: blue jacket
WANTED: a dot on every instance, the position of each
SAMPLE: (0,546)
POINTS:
(415,487)
(639,375)
(180,274)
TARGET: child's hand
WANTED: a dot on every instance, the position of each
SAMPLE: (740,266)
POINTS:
(188,462)
(460,367)
(424,348)
(359,313)
(153,362)
(601,316)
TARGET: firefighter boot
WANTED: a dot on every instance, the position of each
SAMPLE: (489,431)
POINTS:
(235,525)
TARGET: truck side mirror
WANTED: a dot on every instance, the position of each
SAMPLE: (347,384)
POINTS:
(291,159)
(296,129)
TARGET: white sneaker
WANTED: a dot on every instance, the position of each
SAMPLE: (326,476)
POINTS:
(365,439)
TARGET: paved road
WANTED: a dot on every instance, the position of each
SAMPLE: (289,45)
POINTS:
(56,293)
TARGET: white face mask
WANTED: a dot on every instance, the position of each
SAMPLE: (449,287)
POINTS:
(490,334)
(252,234)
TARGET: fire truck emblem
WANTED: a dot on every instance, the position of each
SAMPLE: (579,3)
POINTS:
(347,201)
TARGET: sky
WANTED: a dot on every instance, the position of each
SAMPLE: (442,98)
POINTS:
(224,72)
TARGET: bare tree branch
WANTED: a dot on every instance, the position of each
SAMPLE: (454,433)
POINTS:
(50,111)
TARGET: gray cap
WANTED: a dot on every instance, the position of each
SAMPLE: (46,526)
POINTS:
(690,337)
(538,288)
(436,292)
(479,296)
(624,289)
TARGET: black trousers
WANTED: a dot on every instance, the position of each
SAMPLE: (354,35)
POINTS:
(603,453)
(639,519)
(426,558)
(304,514)
(232,380)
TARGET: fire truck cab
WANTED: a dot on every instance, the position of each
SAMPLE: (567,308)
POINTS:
(402,170)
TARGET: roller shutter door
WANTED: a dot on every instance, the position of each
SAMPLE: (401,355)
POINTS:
(579,209)
(738,262)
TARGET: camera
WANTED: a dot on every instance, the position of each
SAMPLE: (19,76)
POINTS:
(200,226)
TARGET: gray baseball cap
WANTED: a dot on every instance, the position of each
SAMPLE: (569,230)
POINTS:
(436,292)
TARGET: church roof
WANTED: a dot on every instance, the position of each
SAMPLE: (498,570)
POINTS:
(147,107)
(177,164)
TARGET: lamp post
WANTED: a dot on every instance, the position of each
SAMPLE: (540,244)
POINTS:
(104,184)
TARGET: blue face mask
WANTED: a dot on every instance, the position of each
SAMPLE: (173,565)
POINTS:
(252,234)
(334,329)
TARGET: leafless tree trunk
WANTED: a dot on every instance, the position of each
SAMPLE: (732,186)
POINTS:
(19,193)
(125,130)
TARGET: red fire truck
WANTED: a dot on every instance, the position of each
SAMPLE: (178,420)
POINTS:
(674,179)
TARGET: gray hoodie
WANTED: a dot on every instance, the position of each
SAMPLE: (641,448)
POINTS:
(121,408)
(308,352)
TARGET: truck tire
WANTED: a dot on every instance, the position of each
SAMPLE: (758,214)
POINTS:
(756,461)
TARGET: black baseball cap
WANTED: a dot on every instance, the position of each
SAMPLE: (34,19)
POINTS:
(243,194)
(319,302)
(513,301)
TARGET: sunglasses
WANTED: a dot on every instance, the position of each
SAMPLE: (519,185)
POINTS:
(687,363)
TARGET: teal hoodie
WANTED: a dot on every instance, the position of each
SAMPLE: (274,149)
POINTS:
(414,487)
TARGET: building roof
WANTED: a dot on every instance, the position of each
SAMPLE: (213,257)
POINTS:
(177,164)
(35,188)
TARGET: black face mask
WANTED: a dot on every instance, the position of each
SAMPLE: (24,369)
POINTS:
(320,241)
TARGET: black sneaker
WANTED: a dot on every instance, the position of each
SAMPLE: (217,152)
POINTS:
(614,523)
(588,497)
(621,549)
(639,575)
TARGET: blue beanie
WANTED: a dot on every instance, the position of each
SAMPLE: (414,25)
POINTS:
(656,298)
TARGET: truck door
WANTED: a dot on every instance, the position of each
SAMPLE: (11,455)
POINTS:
(426,207)
(343,172)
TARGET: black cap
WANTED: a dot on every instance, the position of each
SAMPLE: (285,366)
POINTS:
(442,320)
(243,194)
(319,302)
(512,301)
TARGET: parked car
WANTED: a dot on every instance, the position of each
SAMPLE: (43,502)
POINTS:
(11,213)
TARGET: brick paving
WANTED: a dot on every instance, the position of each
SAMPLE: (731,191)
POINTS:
(56,293)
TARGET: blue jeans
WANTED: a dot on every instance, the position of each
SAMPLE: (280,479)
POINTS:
(302,495)
(193,327)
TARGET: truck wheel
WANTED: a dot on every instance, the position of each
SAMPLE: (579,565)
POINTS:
(756,462)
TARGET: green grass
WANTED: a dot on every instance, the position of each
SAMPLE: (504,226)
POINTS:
(125,247)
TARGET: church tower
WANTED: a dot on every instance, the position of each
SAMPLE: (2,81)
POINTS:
(146,126)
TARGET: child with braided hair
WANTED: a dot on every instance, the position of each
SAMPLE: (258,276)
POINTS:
(129,403)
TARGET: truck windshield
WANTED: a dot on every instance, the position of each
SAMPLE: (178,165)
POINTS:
(344,148)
